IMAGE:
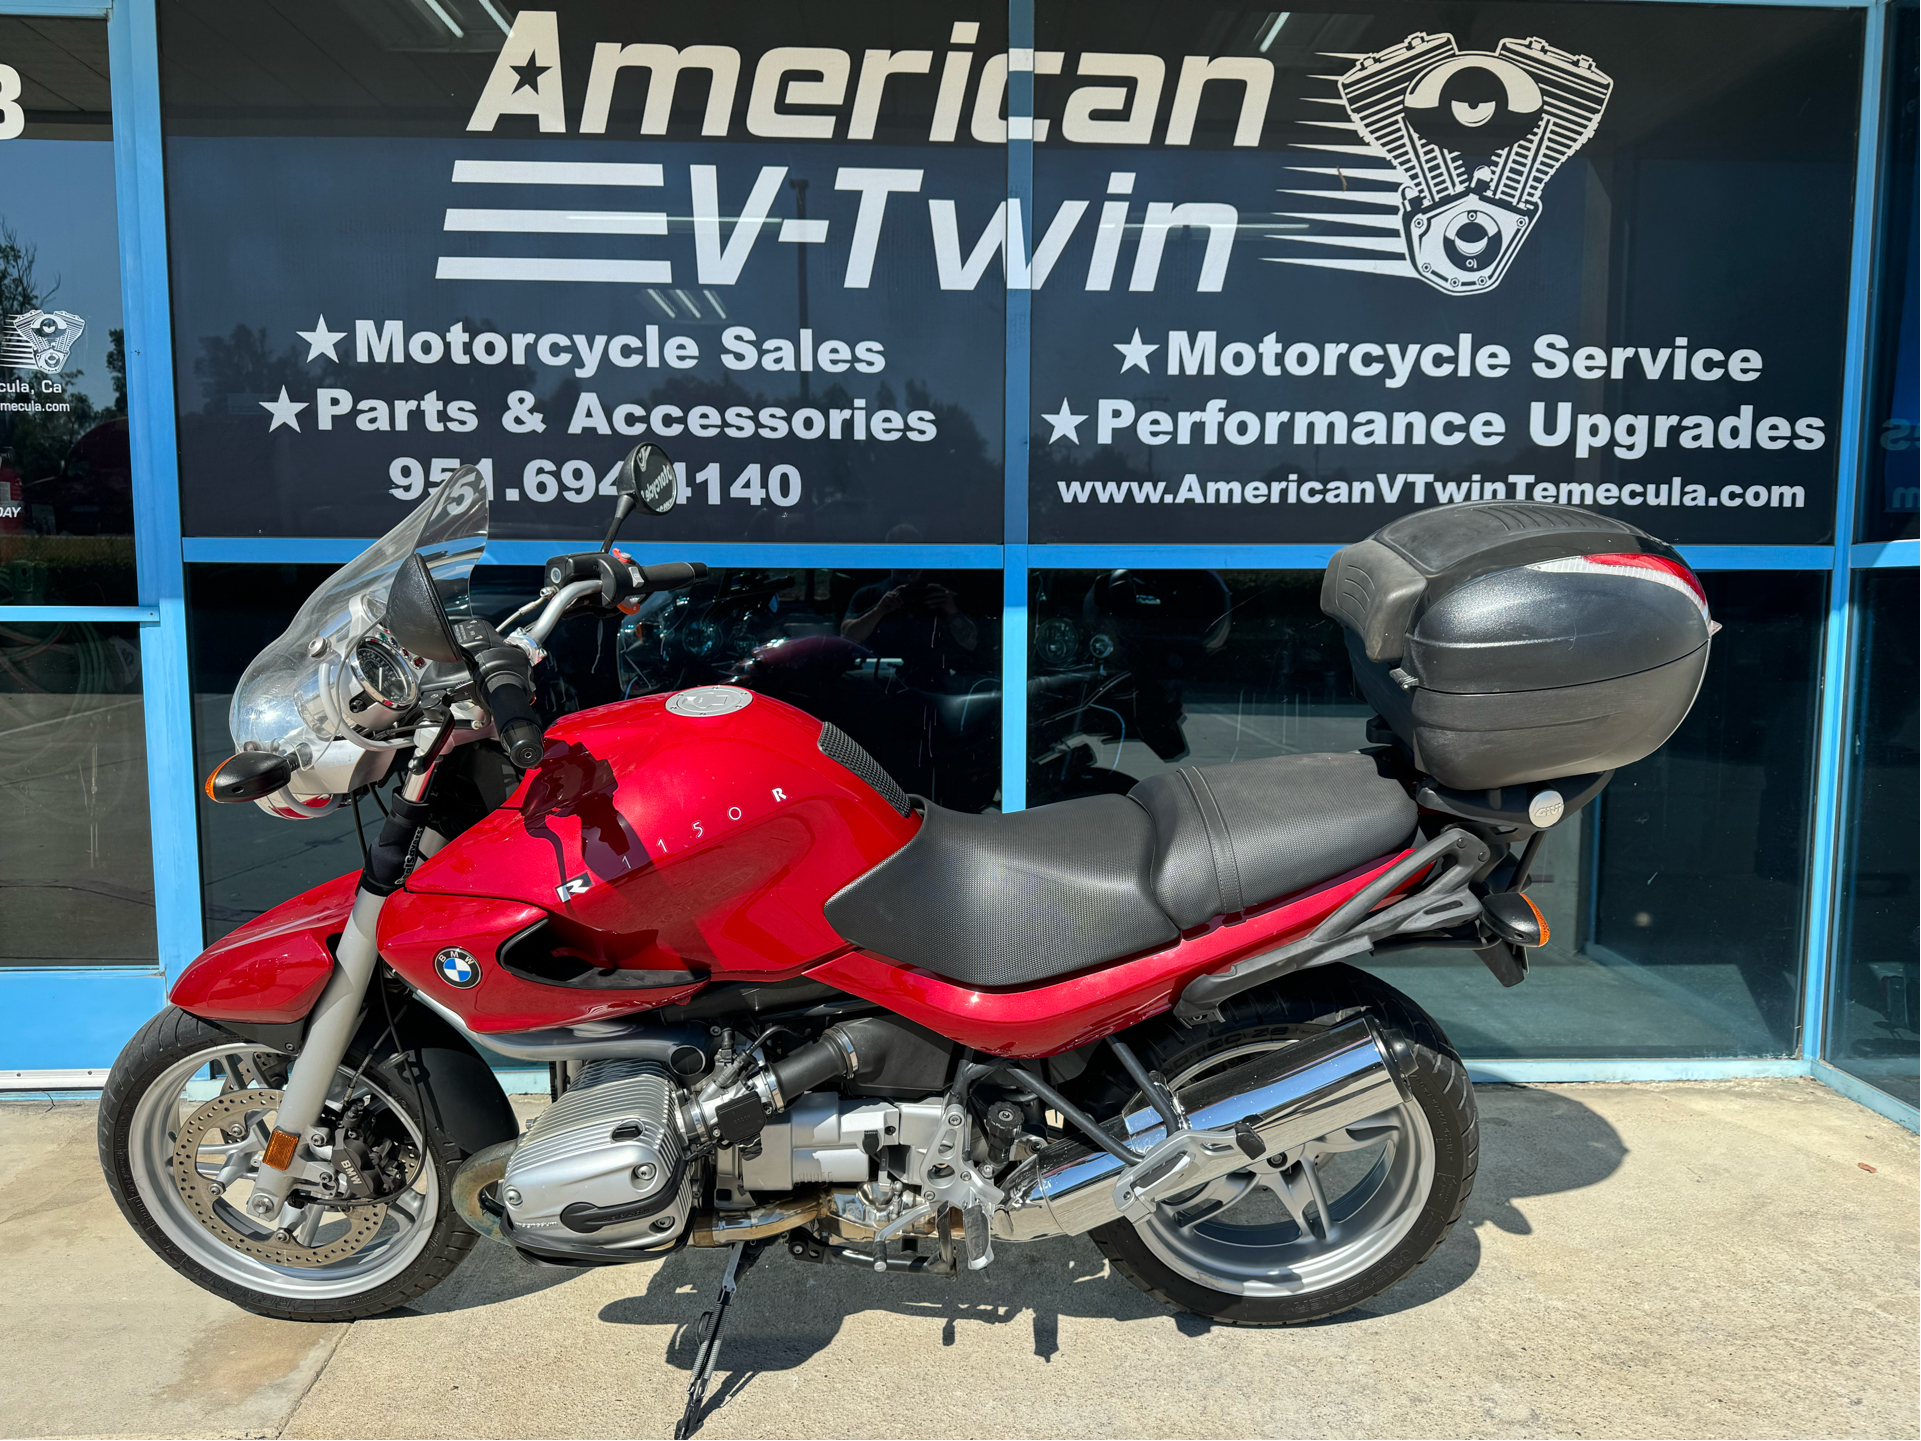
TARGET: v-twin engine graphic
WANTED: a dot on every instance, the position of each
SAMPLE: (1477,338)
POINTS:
(1476,136)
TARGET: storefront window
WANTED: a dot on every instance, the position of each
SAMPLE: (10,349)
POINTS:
(1292,293)
(417,235)
(1891,478)
(1675,902)
(907,662)
(1873,1025)
(1701,860)
(76,857)
(66,487)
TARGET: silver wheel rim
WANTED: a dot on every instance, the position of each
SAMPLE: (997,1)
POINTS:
(1330,1210)
(183,1203)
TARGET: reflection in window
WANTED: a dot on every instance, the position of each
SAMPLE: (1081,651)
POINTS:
(76,858)
(1137,672)
(1891,479)
(906,662)
(66,484)
(1872,1030)
(1702,864)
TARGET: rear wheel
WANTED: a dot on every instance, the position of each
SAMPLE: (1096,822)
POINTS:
(1316,1231)
(184,1117)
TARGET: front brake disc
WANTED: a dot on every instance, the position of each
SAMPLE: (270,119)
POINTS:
(249,1109)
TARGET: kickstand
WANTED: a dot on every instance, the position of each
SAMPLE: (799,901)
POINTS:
(708,1351)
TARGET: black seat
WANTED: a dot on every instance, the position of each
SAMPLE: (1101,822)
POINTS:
(1229,838)
(1006,900)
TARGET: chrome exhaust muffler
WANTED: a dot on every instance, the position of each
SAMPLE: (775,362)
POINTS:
(1290,1097)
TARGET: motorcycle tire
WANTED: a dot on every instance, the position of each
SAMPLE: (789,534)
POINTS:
(1438,1150)
(141,1113)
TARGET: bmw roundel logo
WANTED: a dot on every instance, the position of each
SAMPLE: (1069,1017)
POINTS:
(457,967)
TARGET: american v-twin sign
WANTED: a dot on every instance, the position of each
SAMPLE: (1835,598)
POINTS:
(1471,137)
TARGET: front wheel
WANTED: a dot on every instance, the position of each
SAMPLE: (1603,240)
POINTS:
(184,1117)
(1317,1230)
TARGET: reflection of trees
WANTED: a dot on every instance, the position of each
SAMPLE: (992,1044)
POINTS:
(20,291)
(241,364)
(117,367)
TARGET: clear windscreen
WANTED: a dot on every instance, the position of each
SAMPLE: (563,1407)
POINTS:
(286,701)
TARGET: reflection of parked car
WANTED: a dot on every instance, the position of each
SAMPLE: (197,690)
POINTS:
(1111,668)
(930,722)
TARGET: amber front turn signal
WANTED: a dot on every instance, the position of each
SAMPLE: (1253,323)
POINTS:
(248,776)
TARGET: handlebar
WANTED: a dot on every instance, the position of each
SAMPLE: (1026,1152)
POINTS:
(515,721)
(542,625)
(503,674)
(671,575)
(608,577)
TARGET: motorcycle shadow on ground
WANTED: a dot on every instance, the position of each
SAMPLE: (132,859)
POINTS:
(1533,1143)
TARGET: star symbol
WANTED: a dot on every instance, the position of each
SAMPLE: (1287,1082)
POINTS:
(321,339)
(1064,422)
(529,74)
(283,411)
(1134,353)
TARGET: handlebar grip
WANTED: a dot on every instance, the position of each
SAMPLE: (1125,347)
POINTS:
(515,721)
(672,575)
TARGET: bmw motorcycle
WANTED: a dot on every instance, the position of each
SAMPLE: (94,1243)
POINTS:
(788,1005)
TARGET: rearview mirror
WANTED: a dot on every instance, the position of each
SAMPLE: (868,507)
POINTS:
(415,616)
(648,475)
(646,479)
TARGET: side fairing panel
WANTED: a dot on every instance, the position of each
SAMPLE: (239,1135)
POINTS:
(703,844)
(271,970)
(415,929)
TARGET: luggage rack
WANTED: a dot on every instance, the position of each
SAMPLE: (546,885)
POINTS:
(1470,901)
(1442,904)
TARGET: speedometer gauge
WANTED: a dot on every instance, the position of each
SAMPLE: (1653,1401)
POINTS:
(385,676)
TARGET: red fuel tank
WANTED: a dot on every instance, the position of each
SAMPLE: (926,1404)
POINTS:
(668,840)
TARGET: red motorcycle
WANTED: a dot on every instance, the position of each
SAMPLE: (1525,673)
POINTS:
(786,1003)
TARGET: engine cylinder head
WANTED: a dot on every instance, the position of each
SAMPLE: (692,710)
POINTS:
(603,1168)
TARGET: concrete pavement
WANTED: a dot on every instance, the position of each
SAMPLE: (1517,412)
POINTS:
(1685,1259)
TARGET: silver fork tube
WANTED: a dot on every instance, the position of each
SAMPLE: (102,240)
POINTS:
(329,1029)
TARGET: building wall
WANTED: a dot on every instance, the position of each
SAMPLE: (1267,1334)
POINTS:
(1087,334)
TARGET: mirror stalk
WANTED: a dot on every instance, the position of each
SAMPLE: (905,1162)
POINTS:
(623,508)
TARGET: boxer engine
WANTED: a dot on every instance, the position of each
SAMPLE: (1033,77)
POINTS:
(606,1170)
(604,1166)
(630,1160)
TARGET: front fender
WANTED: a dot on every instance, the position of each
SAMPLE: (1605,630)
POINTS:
(461,1093)
(261,981)
(272,970)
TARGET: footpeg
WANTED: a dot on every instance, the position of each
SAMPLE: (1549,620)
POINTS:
(978,1237)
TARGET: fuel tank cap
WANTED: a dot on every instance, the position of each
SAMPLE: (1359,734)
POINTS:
(710,700)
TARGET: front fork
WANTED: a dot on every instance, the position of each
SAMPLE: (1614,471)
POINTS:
(336,1015)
